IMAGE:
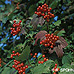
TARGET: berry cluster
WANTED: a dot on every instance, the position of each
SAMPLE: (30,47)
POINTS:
(35,55)
(0,62)
(50,40)
(44,60)
(16,28)
(44,11)
(17,65)
(20,67)
(14,54)
(55,69)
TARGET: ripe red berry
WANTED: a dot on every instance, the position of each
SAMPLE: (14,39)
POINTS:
(11,56)
(14,60)
(55,67)
(44,59)
(42,62)
(38,9)
(44,17)
(13,51)
(46,35)
(0,65)
(51,46)
(21,71)
(26,66)
(58,69)
(39,62)
(54,73)
(0,59)
(43,14)
(55,64)
(13,34)
(43,56)
(53,15)
(46,45)
(22,64)
(40,42)
(31,54)
(13,66)
(35,54)
(20,21)
(42,6)
(14,21)
(50,8)
(35,12)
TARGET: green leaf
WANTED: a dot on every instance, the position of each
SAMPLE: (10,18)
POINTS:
(6,70)
(25,54)
(41,1)
(57,23)
(67,59)
(61,33)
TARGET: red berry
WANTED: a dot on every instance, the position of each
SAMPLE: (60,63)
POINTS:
(38,9)
(45,4)
(58,69)
(17,53)
(50,8)
(14,60)
(35,12)
(13,66)
(31,54)
(20,21)
(13,51)
(54,73)
(0,65)
(46,35)
(39,62)
(46,45)
(44,59)
(44,17)
(0,59)
(16,63)
(22,64)
(43,56)
(34,56)
(18,69)
(14,21)
(40,42)
(42,6)
(11,56)
(55,64)
(13,34)
(42,62)
(43,14)
(11,28)
(26,66)
(53,15)
(55,67)
(51,46)
(23,72)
